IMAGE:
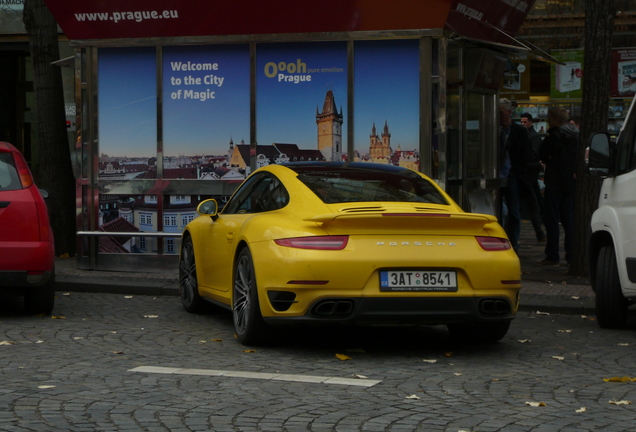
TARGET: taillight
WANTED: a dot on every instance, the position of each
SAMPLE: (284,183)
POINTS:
(319,242)
(23,171)
(493,243)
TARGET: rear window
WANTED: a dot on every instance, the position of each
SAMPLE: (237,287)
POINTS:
(343,185)
(9,179)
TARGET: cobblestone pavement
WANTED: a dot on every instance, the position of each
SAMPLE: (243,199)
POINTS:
(72,372)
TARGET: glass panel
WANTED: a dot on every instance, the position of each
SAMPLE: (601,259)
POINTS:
(474,158)
(453,132)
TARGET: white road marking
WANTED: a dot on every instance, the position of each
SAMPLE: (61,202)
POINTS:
(258,375)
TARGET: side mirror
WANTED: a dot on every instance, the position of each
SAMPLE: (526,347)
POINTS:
(44,193)
(599,155)
(208,207)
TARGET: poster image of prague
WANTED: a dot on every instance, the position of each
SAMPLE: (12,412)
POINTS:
(206,103)
(301,96)
(127,107)
(623,72)
(386,90)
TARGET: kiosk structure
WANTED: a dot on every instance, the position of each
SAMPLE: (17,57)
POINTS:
(180,101)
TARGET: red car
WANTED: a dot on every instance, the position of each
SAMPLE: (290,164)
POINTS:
(27,253)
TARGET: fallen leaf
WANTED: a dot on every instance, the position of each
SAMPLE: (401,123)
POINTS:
(623,344)
(216,340)
(524,340)
(128,297)
(118,352)
(542,313)
(620,402)
(46,386)
(448,354)
(6,343)
(581,410)
(429,361)
(58,317)
(249,351)
(535,404)
(201,341)
(151,316)
(457,374)
(67,294)
(343,357)
(78,337)
(39,341)
(413,397)
(360,376)
(620,379)
(564,282)
(584,316)
(575,297)
(565,331)
(558,357)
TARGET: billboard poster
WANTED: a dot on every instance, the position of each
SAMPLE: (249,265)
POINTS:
(387,98)
(516,81)
(301,96)
(566,79)
(206,108)
(127,107)
(623,73)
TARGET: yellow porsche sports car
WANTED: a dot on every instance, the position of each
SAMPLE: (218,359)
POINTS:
(349,243)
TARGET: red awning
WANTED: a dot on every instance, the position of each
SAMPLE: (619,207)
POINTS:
(114,19)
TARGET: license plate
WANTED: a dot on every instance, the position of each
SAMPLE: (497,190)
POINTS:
(418,280)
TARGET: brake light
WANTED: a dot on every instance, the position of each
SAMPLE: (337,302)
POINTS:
(23,171)
(493,243)
(318,242)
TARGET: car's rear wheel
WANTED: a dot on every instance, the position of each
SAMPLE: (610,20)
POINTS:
(480,332)
(40,300)
(188,285)
(611,304)
(249,325)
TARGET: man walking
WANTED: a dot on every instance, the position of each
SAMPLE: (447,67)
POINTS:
(515,156)
(558,153)
(532,195)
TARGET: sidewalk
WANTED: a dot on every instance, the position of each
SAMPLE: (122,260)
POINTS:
(544,289)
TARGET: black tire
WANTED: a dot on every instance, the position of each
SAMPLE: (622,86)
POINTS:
(188,285)
(479,332)
(611,304)
(249,325)
(41,300)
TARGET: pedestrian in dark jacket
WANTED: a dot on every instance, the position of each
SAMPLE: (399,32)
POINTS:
(532,195)
(558,153)
(515,156)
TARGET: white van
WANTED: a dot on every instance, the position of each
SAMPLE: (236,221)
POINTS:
(612,246)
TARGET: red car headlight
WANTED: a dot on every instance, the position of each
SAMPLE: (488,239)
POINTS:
(318,242)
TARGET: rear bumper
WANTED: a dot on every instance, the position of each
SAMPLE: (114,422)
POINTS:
(401,310)
(26,264)
(17,279)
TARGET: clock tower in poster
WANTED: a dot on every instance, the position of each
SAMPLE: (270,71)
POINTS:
(329,123)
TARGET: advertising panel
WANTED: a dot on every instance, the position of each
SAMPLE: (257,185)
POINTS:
(386,89)
(516,82)
(566,80)
(623,73)
(301,96)
(206,106)
(127,107)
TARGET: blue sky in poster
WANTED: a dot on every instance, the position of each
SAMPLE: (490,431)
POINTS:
(127,102)
(286,111)
(206,93)
(387,89)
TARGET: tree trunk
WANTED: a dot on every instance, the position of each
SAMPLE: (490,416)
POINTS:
(599,29)
(53,170)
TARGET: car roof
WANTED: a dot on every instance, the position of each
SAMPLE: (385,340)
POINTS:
(338,166)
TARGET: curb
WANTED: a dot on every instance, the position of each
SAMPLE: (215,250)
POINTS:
(117,285)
